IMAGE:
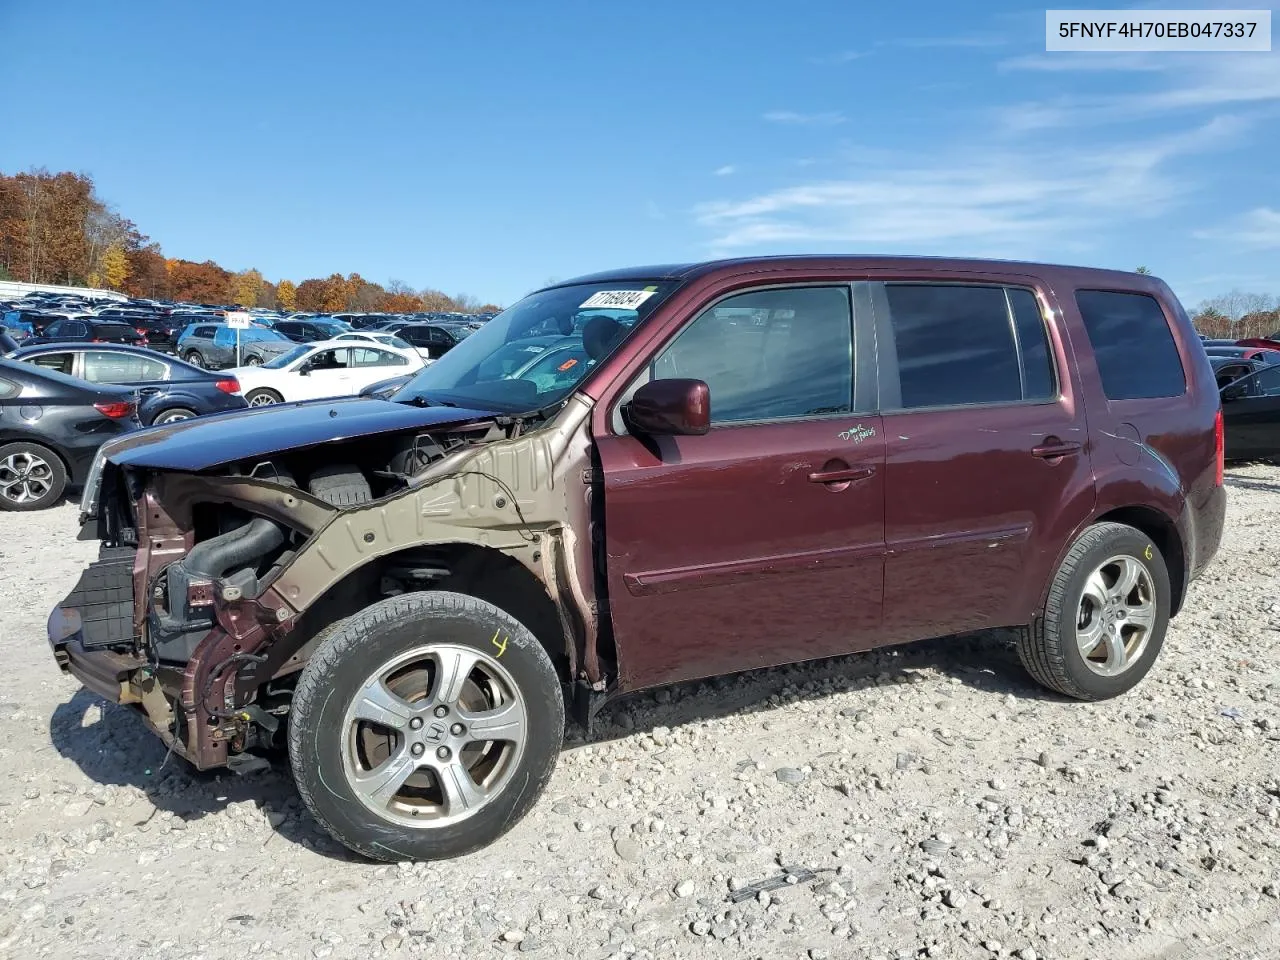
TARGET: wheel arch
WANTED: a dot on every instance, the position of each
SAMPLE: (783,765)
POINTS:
(473,569)
(12,436)
(1163,531)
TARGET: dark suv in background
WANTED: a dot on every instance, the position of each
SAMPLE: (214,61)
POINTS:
(701,469)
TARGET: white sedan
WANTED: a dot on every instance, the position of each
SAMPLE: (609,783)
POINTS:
(330,368)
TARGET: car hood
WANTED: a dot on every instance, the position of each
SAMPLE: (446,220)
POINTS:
(207,442)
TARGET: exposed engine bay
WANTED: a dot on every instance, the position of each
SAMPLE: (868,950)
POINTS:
(212,587)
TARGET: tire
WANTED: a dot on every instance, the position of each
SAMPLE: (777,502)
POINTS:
(173,415)
(253,360)
(195,357)
(263,397)
(341,485)
(32,477)
(1053,648)
(331,747)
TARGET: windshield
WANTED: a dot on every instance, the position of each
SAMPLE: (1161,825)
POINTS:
(288,357)
(487,370)
(333,327)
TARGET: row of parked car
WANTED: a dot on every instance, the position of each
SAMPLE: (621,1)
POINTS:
(91,387)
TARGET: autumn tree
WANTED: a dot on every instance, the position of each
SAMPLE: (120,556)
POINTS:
(197,282)
(490,308)
(245,287)
(114,267)
(287,295)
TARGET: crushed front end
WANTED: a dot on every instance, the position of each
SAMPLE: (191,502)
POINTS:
(216,577)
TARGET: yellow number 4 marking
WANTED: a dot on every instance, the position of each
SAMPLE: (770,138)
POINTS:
(502,647)
(1147,552)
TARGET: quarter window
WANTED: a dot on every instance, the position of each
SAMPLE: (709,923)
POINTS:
(959,345)
(1132,344)
(769,354)
(9,389)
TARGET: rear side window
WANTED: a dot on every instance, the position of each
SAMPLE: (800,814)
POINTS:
(960,345)
(1133,345)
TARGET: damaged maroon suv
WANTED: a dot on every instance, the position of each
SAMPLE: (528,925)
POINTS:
(644,477)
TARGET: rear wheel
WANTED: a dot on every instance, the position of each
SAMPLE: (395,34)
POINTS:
(1105,619)
(253,361)
(425,726)
(173,415)
(194,357)
(32,477)
(263,397)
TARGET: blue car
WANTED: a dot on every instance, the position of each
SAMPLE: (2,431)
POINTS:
(12,322)
(169,389)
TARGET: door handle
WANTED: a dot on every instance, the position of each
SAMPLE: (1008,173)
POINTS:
(844,475)
(1053,448)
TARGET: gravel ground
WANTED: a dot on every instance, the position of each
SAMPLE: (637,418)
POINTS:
(949,807)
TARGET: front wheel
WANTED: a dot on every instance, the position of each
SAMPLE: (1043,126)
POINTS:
(425,726)
(253,360)
(1105,618)
(195,358)
(262,397)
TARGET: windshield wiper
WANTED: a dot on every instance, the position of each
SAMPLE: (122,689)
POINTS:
(420,401)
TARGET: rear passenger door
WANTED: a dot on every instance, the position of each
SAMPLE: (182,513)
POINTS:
(760,542)
(986,457)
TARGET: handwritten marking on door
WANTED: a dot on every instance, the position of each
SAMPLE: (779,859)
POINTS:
(857,433)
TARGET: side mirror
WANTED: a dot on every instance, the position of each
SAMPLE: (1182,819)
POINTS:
(1234,391)
(304,371)
(670,408)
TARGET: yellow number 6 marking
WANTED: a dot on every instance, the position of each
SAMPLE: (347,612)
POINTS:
(1147,552)
(502,647)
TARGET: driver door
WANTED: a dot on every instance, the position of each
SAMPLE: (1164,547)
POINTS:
(1251,416)
(762,541)
(326,374)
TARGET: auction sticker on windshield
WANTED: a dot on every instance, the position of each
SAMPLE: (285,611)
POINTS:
(617,299)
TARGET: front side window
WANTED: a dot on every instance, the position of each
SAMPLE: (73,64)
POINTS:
(55,329)
(769,354)
(101,366)
(961,344)
(1132,344)
(328,360)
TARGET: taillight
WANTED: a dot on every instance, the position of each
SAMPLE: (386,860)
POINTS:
(97,340)
(142,332)
(231,385)
(1220,447)
(117,410)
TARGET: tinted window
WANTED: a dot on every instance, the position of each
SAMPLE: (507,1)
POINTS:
(1269,382)
(101,366)
(1133,345)
(55,329)
(960,345)
(62,362)
(769,354)
(205,332)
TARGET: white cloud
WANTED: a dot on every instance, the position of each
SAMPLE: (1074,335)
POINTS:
(1260,227)
(844,56)
(828,119)
(727,170)
(1194,82)
(997,201)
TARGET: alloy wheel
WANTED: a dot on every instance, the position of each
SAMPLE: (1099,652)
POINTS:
(25,478)
(433,735)
(1116,616)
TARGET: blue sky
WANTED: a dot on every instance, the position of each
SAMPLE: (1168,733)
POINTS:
(487,148)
